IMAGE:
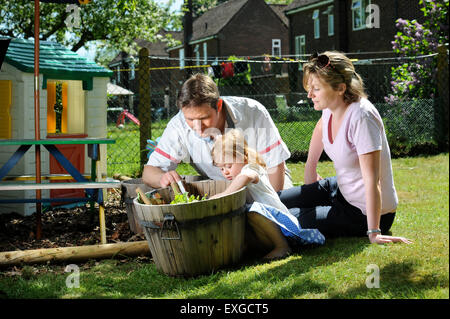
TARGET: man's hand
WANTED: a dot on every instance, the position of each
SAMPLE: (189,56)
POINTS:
(169,178)
(155,177)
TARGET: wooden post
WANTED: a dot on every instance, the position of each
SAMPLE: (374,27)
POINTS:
(37,118)
(77,253)
(144,102)
(443,101)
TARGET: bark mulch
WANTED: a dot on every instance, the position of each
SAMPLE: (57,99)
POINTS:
(62,227)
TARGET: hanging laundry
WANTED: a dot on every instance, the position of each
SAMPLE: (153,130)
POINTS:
(217,70)
(240,67)
(266,65)
(227,69)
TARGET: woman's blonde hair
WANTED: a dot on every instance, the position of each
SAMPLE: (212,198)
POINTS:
(233,148)
(339,70)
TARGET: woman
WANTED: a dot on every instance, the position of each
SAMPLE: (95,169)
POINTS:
(361,200)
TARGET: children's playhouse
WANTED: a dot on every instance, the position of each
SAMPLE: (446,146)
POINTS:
(73,93)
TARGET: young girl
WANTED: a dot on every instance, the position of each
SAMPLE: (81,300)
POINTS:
(269,218)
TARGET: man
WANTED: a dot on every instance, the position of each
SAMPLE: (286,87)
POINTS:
(189,136)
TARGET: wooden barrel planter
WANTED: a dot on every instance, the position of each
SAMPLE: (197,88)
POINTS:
(129,193)
(195,238)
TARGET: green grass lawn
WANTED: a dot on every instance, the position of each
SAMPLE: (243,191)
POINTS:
(336,270)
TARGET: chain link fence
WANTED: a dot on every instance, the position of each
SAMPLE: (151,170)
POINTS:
(412,126)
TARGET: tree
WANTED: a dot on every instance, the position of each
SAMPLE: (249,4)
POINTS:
(115,23)
(201,6)
(416,78)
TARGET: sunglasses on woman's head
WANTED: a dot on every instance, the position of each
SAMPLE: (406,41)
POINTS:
(322,60)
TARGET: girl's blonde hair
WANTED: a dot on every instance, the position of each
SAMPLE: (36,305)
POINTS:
(233,148)
(340,70)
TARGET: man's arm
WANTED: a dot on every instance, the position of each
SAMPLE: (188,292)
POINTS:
(276,176)
(155,177)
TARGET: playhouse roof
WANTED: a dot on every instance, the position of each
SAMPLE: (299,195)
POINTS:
(55,62)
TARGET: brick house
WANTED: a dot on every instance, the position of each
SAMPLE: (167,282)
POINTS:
(240,28)
(363,29)
(350,26)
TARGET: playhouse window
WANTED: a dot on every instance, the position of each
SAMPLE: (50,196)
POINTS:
(5,107)
(72,98)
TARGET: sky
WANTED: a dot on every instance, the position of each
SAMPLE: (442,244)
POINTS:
(90,53)
(175,6)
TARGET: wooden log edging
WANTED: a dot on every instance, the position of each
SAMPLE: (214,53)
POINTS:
(74,253)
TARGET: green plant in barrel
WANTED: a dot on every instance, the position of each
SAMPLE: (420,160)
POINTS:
(156,199)
(185,198)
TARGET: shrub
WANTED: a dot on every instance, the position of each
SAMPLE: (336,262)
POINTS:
(418,80)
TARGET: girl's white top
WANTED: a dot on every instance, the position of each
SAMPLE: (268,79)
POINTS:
(263,191)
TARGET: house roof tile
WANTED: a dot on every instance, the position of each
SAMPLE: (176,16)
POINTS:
(279,10)
(215,19)
(299,3)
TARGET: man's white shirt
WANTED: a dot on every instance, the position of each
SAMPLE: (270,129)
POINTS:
(180,143)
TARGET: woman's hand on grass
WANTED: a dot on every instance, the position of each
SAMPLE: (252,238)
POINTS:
(384,239)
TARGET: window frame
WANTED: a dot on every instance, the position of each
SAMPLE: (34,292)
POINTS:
(276,44)
(300,42)
(132,70)
(316,18)
(181,58)
(197,54)
(362,12)
(330,20)
(205,53)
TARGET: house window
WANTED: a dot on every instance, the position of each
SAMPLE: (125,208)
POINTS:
(132,71)
(181,56)
(300,47)
(315,17)
(118,74)
(205,53)
(276,47)
(197,54)
(330,20)
(359,14)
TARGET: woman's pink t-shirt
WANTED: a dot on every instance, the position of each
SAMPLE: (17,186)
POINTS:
(361,132)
